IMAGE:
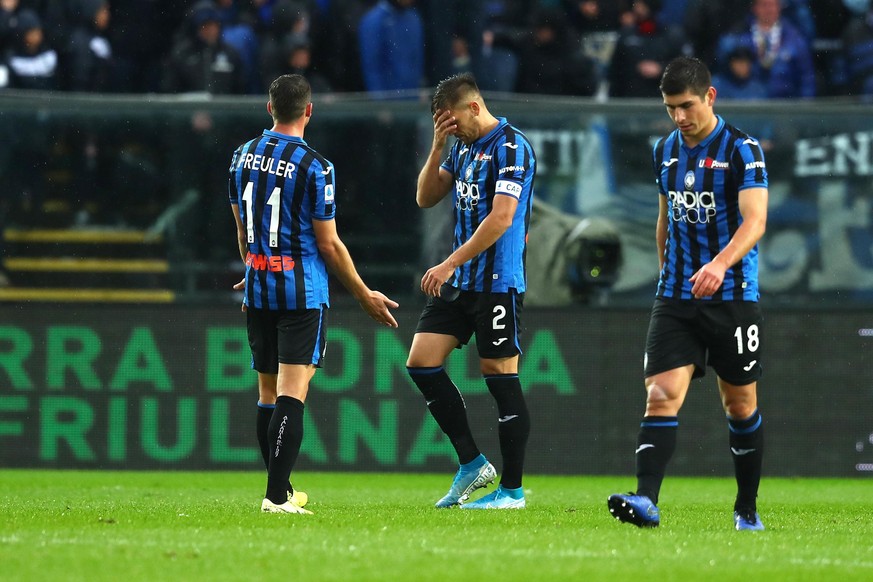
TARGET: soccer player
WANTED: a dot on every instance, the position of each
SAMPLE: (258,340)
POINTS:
(282,193)
(479,287)
(713,210)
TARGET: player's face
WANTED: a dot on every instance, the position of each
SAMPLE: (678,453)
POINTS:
(466,114)
(692,114)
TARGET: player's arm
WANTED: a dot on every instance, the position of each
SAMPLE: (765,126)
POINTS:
(753,209)
(434,181)
(492,228)
(339,261)
(240,233)
(661,231)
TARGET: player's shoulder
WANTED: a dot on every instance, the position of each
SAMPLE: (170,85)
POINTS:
(739,138)
(319,162)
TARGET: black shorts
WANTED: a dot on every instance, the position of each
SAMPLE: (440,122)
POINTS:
(493,317)
(295,336)
(725,335)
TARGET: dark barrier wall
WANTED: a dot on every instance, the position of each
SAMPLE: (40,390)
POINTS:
(171,388)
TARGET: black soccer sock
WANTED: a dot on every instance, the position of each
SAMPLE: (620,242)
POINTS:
(265,413)
(447,407)
(286,435)
(655,445)
(513,426)
(747,450)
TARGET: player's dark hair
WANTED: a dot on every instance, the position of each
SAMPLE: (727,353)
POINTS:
(289,96)
(451,90)
(686,74)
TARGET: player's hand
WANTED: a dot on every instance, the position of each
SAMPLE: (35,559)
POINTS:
(708,279)
(239,287)
(377,305)
(444,125)
(435,277)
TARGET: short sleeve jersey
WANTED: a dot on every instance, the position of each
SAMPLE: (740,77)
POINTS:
(702,186)
(281,186)
(501,163)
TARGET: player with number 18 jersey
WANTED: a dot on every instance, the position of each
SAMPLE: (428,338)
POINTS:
(702,186)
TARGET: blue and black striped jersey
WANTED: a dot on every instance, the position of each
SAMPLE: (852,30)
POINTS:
(702,186)
(501,163)
(281,185)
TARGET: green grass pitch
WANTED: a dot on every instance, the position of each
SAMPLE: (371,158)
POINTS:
(130,526)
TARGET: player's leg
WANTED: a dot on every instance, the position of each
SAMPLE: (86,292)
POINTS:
(497,339)
(301,345)
(447,406)
(266,405)
(736,354)
(746,438)
(674,355)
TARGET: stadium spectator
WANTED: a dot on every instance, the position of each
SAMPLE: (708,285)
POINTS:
(737,80)
(858,56)
(138,37)
(783,58)
(453,36)
(238,31)
(8,20)
(711,216)
(552,62)
(31,63)
(391,36)
(479,288)
(506,30)
(295,57)
(595,15)
(643,50)
(289,25)
(286,307)
(707,21)
(200,60)
(88,57)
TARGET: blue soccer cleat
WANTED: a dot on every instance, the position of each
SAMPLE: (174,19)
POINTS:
(500,498)
(748,520)
(636,509)
(466,481)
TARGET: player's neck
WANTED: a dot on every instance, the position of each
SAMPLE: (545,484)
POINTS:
(293,129)
(488,125)
(693,142)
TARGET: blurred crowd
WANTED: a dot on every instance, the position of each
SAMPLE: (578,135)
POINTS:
(608,48)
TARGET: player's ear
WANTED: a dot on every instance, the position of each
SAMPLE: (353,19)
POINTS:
(474,107)
(309,110)
(710,96)
(270,108)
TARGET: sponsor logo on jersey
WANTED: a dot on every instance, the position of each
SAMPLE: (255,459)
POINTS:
(755,165)
(512,146)
(669,162)
(714,164)
(511,169)
(692,207)
(482,157)
(273,263)
(467,195)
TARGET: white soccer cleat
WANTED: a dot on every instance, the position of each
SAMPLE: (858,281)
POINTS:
(289,506)
(299,498)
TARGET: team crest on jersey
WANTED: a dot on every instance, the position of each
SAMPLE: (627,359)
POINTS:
(689,180)
(468,173)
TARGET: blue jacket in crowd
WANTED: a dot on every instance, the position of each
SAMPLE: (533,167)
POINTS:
(392,47)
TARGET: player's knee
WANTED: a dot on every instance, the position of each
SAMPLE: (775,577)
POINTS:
(661,401)
(739,410)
